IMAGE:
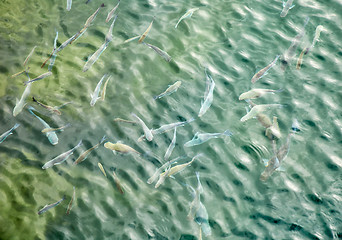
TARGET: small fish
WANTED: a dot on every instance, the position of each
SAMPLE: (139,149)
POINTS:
(123,120)
(111,13)
(263,71)
(71,202)
(19,73)
(286,7)
(257,92)
(273,131)
(103,93)
(95,95)
(259,109)
(144,35)
(170,126)
(52,136)
(9,132)
(209,98)
(186,15)
(69,2)
(45,130)
(48,207)
(88,1)
(162,177)
(62,157)
(29,56)
(120,147)
(159,170)
(161,53)
(102,169)
(131,39)
(117,183)
(40,77)
(300,59)
(200,138)
(176,169)
(171,146)
(20,104)
(51,109)
(86,153)
(171,89)
(147,131)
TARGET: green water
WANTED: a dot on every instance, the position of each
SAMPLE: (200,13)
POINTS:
(233,39)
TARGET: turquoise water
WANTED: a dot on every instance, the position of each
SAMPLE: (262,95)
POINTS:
(233,40)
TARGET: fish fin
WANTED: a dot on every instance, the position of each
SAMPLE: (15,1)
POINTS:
(292,6)
(265,161)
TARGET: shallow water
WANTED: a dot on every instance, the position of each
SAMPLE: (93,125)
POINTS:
(233,39)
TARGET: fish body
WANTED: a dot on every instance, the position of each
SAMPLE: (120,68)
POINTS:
(202,220)
(86,153)
(147,131)
(62,157)
(286,7)
(9,132)
(161,53)
(109,36)
(111,13)
(117,183)
(200,138)
(120,147)
(159,170)
(40,77)
(48,207)
(144,35)
(124,120)
(52,136)
(102,169)
(29,56)
(71,202)
(93,58)
(95,95)
(103,93)
(257,92)
(171,89)
(263,71)
(69,2)
(170,126)
(208,100)
(259,109)
(45,130)
(176,169)
(186,15)
(51,109)
(21,103)
(171,146)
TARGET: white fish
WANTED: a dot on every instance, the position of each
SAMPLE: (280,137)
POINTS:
(171,89)
(257,92)
(95,95)
(259,109)
(161,53)
(9,132)
(200,138)
(186,15)
(209,98)
(286,7)
(171,146)
(319,28)
(71,202)
(62,157)
(147,131)
(21,103)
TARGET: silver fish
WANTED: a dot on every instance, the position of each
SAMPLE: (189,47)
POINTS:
(111,13)
(9,132)
(209,98)
(62,157)
(144,35)
(20,104)
(161,53)
(171,146)
(176,169)
(200,138)
(48,207)
(257,92)
(40,77)
(286,7)
(186,15)
(259,109)
(95,95)
(171,89)
(159,170)
(52,136)
(263,71)
(147,131)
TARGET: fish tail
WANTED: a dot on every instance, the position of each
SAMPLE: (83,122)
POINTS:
(79,144)
(228,133)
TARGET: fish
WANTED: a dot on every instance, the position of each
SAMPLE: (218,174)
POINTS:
(259,109)
(291,51)
(86,153)
(264,71)
(300,59)
(147,131)
(161,53)
(103,93)
(131,39)
(52,136)
(186,15)
(9,132)
(200,138)
(29,56)
(209,98)
(109,36)
(20,104)
(111,13)
(48,207)
(40,77)
(171,89)
(123,120)
(257,92)
(51,109)
(171,146)
(95,95)
(176,169)
(273,131)
(45,130)
(71,202)
(144,35)
(69,2)
(102,169)
(170,126)
(62,157)
(166,165)
(117,183)
(286,7)
(120,147)
(19,73)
